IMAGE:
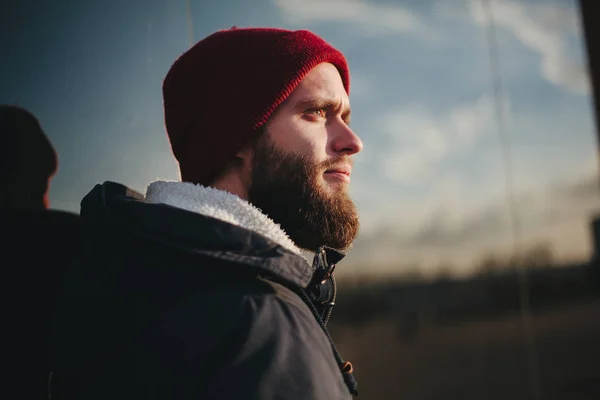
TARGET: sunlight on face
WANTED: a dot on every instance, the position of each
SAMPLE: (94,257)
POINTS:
(314,123)
(302,164)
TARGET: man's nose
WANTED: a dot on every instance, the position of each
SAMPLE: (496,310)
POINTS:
(345,141)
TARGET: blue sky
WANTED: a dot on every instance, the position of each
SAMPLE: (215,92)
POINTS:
(430,184)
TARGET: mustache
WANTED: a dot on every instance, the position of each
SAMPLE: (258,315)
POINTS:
(336,161)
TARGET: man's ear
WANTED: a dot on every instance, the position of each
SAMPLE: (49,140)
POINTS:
(245,155)
(236,177)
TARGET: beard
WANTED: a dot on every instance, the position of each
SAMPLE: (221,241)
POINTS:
(286,187)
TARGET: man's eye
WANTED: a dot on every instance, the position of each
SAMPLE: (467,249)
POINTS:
(321,112)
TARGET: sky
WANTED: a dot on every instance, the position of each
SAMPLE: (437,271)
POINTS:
(444,151)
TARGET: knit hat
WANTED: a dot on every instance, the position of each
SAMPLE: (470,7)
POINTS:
(219,93)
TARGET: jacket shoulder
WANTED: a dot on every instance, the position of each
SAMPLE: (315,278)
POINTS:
(265,345)
(282,351)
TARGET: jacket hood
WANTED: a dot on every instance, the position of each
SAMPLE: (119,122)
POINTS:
(191,231)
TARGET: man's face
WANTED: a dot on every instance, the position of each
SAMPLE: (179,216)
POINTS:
(302,164)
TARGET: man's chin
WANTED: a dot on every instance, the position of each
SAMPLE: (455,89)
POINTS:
(334,186)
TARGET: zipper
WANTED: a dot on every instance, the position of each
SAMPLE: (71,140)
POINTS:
(345,367)
(331,304)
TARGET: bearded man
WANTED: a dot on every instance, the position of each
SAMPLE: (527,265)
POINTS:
(220,286)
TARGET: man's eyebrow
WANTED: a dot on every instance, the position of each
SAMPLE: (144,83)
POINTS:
(316,103)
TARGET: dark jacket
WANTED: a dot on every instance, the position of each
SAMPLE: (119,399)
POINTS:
(168,303)
(37,247)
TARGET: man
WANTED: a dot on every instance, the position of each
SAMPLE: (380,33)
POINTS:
(220,286)
(28,160)
(37,246)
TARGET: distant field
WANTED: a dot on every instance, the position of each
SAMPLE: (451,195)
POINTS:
(482,359)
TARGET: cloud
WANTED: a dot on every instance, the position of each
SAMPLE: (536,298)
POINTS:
(558,214)
(371,18)
(422,139)
(544,28)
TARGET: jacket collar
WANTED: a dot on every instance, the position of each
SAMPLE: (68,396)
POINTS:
(220,205)
(206,222)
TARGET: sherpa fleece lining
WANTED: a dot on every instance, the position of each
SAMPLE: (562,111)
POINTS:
(221,205)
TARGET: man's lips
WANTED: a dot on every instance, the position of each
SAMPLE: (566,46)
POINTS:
(340,172)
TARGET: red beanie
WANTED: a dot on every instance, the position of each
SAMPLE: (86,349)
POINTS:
(219,93)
